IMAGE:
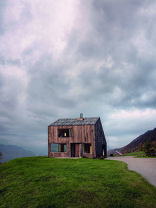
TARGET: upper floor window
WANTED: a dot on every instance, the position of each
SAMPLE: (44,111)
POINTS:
(64,132)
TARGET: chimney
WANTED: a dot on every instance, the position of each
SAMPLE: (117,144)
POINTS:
(81,117)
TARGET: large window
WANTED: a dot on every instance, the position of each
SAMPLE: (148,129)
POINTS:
(87,148)
(64,132)
(58,147)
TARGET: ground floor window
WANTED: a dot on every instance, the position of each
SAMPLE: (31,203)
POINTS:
(58,147)
(87,148)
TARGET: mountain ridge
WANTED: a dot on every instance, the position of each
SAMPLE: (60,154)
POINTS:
(134,144)
(10,152)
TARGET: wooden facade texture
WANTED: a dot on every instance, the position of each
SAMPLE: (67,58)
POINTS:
(86,138)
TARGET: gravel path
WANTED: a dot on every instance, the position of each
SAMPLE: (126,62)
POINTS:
(145,166)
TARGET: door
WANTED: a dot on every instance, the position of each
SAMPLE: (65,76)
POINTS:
(72,150)
(77,150)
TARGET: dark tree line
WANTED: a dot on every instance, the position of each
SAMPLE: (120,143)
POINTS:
(0,157)
(149,148)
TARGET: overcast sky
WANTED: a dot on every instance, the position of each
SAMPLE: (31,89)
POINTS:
(62,58)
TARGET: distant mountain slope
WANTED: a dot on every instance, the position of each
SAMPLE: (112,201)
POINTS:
(113,151)
(134,145)
(10,152)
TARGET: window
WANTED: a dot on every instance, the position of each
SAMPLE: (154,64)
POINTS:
(64,132)
(58,147)
(87,148)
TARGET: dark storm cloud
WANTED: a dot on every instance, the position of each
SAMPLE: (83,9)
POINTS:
(123,88)
(103,66)
(49,85)
(114,26)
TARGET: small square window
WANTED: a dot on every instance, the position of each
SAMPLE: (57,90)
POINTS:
(87,148)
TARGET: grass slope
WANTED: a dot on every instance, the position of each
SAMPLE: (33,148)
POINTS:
(49,182)
(138,154)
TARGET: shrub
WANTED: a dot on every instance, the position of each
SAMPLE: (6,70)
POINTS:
(0,157)
(150,148)
(141,147)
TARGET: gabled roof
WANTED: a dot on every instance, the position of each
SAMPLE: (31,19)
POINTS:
(74,121)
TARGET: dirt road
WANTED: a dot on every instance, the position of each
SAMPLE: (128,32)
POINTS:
(145,166)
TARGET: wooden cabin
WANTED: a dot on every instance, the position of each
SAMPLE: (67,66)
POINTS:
(77,138)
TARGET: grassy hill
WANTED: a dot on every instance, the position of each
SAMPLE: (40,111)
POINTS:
(49,182)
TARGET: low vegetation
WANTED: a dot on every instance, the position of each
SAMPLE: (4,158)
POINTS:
(49,182)
(0,157)
(149,148)
(136,154)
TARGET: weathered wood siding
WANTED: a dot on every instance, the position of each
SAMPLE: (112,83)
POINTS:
(80,134)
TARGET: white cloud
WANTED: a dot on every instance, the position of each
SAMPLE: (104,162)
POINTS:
(37,25)
(148,10)
(135,114)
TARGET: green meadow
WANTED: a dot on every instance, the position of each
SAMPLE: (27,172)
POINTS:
(138,154)
(44,182)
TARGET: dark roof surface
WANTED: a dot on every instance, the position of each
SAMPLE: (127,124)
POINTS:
(74,122)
